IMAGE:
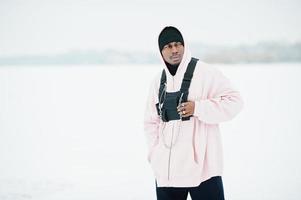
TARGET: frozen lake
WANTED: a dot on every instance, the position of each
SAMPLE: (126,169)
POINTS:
(76,133)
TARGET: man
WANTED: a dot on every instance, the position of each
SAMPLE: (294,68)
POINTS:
(186,103)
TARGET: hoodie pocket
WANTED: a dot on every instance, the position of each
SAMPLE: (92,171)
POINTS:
(153,149)
(156,160)
(151,152)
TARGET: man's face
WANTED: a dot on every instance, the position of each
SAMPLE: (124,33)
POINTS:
(173,52)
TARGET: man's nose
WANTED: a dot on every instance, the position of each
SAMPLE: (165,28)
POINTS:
(174,49)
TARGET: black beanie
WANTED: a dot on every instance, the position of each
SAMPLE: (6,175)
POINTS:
(169,34)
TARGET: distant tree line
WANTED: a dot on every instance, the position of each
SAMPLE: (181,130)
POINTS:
(265,52)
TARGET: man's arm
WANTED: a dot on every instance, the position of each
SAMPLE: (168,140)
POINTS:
(224,104)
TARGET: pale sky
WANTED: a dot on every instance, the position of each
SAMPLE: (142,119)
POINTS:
(57,26)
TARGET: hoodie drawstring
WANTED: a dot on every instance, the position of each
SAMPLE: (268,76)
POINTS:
(195,154)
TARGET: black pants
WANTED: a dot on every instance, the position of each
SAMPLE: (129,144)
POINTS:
(211,189)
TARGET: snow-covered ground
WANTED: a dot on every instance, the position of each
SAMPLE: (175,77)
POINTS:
(76,133)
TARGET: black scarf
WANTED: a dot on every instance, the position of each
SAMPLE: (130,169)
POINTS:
(172,68)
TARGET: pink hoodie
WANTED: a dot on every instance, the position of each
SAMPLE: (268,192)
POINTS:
(186,153)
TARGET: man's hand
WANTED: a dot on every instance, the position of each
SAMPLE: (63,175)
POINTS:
(186,109)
